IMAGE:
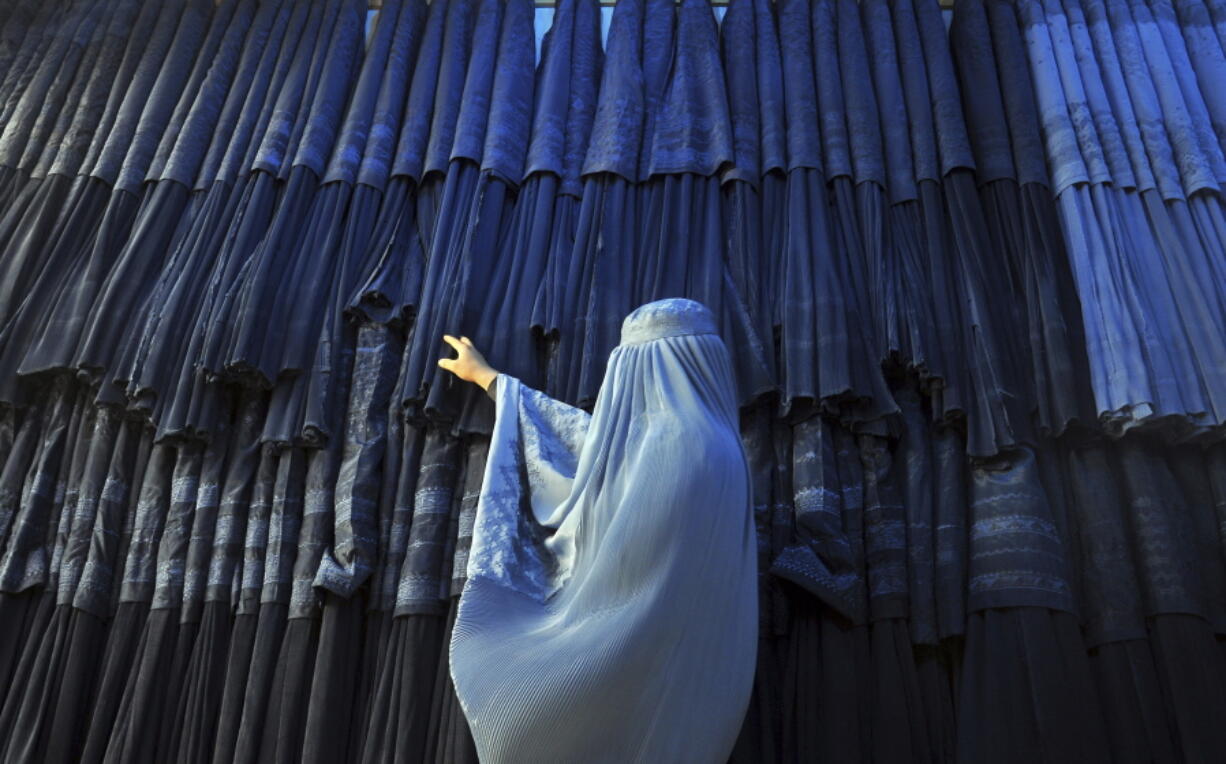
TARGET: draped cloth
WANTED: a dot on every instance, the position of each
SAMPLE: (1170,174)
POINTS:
(610,611)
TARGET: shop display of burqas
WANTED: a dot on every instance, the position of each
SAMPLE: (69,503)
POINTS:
(971,266)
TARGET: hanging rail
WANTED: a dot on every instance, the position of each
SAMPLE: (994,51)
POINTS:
(376,4)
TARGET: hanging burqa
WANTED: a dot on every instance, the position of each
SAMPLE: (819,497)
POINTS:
(610,612)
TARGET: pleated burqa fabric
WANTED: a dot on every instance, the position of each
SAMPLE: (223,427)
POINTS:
(469,168)
(1002,121)
(618,620)
(1153,336)
(752,183)
(827,361)
(538,250)
(972,290)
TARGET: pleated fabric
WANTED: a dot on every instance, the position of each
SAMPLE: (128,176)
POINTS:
(972,286)
(586,607)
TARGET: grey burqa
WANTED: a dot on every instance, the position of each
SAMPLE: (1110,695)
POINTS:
(610,611)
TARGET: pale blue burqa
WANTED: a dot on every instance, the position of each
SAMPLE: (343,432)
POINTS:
(610,611)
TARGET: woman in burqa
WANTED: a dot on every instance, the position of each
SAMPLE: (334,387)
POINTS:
(610,610)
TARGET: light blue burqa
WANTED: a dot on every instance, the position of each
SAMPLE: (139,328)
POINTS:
(610,611)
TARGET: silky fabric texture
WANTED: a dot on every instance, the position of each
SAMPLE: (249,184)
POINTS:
(610,611)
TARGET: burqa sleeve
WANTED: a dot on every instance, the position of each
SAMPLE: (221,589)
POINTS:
(534,452)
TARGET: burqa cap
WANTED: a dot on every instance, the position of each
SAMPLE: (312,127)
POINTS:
(671,317)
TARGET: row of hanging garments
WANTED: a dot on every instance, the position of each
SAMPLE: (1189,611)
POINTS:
(972,270)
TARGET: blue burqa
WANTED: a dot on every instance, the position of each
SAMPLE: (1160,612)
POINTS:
(610,612)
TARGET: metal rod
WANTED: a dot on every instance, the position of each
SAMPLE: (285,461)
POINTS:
(376,4)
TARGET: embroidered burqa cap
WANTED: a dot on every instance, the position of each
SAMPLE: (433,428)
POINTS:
(610,610)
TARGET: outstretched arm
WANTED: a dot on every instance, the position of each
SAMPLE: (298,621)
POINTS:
(469,365)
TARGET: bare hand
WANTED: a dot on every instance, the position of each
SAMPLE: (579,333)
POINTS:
(469,365)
